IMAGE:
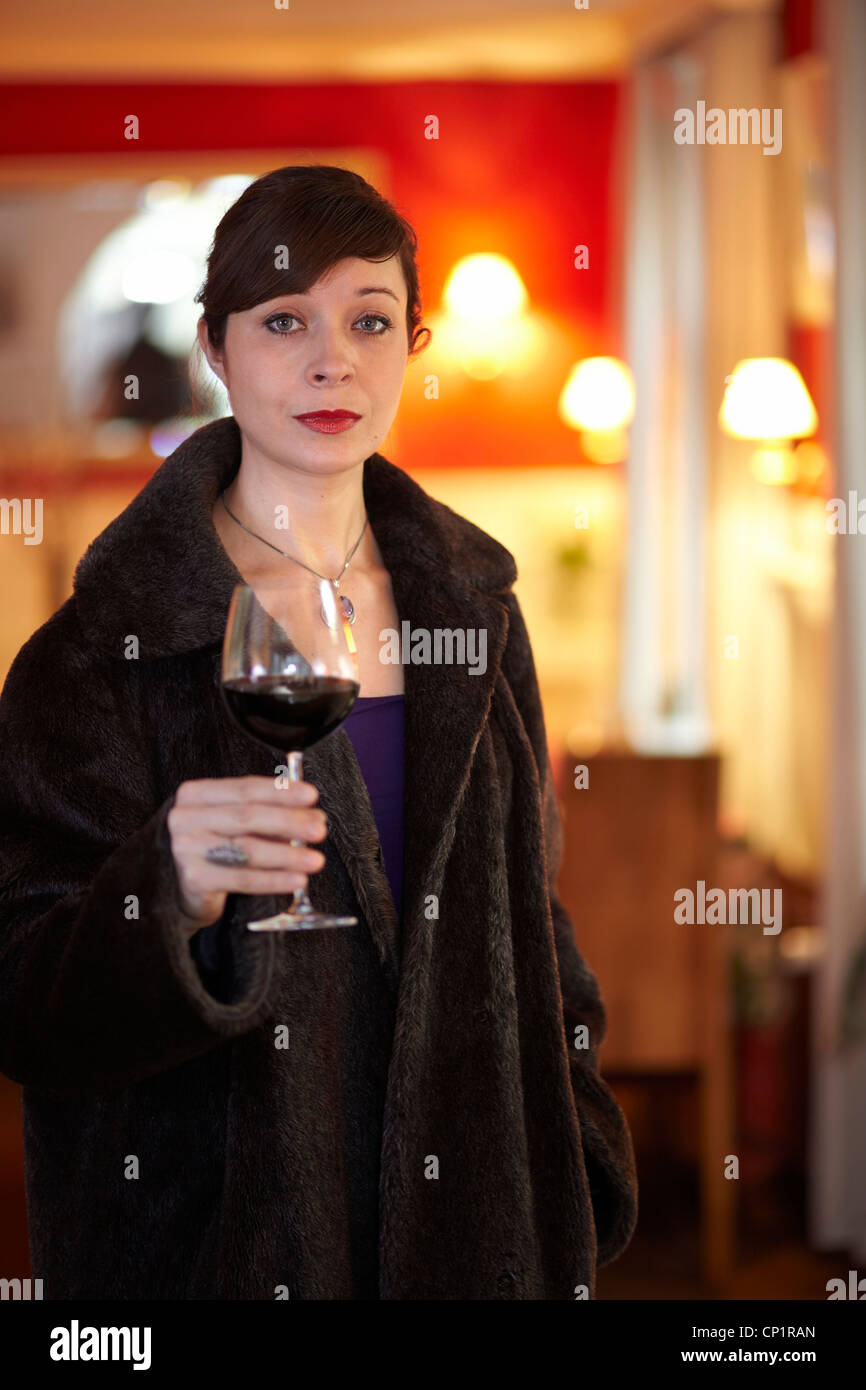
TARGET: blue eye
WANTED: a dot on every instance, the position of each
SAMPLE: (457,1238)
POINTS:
(278,318)
(379,318)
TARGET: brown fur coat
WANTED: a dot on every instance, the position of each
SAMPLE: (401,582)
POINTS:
(430,1131)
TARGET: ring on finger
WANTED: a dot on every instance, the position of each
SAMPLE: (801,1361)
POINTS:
(230,855)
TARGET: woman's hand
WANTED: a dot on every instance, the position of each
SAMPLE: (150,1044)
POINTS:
(260,818)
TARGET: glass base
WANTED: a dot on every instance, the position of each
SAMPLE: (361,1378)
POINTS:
(300,921)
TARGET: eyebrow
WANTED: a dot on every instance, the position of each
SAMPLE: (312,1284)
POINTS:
(379,289)
(374,289)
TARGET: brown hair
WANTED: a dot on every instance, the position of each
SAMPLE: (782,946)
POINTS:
(322,214)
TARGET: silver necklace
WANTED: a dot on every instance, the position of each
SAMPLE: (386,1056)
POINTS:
(346,603)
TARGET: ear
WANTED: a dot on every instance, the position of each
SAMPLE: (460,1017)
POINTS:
(215,360)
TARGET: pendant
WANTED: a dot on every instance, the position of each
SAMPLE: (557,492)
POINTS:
(348,610)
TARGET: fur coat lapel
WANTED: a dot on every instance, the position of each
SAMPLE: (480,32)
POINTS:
(159,571)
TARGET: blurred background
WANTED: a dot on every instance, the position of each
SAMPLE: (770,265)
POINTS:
(645,379)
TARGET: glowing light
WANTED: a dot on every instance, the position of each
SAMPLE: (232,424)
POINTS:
(484,326)
(598,395)
(484,288)
(165,192)
(811,460)
(94,321)
(766,398)
(483,351)
(774,466)
(158,277)
(605,446)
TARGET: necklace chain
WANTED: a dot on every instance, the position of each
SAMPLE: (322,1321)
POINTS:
(287,556)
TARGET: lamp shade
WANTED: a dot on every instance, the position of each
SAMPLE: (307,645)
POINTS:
(598,395)
(766,398)
(484,288)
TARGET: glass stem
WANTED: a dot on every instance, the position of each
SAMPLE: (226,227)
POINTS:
(295,763)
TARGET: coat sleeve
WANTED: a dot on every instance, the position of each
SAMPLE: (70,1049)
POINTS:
(607,1142)
(98,986)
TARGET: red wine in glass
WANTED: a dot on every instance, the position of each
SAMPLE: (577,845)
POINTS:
(289,678)
(290,713)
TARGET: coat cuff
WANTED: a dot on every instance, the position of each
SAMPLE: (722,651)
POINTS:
(252,953)
(106,991)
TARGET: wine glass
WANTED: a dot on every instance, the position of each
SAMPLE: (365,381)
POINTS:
(289,678)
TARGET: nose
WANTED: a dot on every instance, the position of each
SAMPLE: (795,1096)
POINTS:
(330,359)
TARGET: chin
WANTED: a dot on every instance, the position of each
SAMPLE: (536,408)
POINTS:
(323,457)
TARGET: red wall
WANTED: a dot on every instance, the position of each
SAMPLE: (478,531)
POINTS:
(525,169)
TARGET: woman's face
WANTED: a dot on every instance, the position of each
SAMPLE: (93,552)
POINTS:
(341,346)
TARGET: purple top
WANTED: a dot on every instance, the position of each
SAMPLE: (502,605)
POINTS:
(375,725)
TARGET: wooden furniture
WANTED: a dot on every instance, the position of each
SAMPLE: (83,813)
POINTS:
(642,829)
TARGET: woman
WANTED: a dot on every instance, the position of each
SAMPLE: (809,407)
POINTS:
(410,1108)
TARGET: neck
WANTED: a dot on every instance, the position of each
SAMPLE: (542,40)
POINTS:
(314,517)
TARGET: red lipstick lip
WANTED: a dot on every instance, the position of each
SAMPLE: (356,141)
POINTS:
(329,415)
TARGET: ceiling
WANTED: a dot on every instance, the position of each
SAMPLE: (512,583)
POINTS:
(318,40)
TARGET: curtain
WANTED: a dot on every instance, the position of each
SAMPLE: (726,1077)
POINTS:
(838,1140)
